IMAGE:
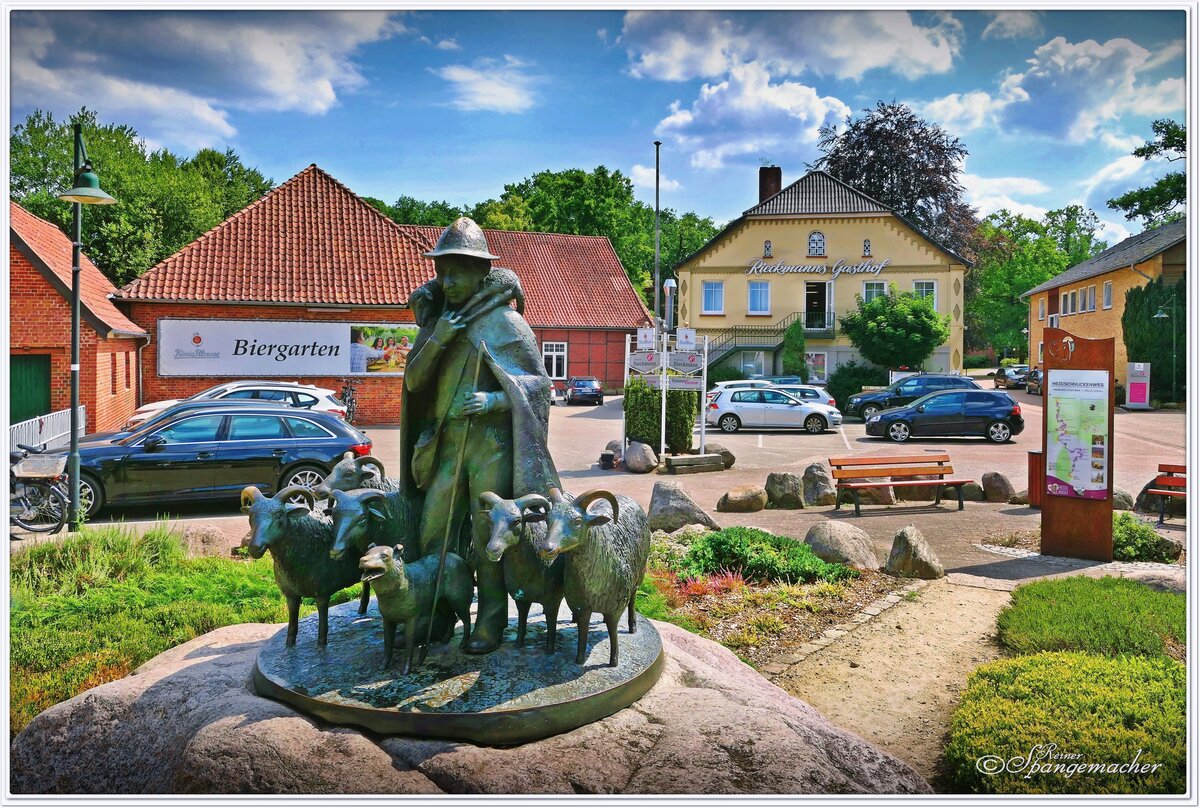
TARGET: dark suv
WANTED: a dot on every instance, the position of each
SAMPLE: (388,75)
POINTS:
(907,390)
(584,390)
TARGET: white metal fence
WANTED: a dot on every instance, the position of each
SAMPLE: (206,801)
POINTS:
(52,429)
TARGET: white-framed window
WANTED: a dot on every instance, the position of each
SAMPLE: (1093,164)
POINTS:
(714,298)
(816,243)
(818,367)
(1052,321)
(554,355)
(1064,304)
(767,249)
(1041,308)
(1074,301)
(1092,298)
(927,290)
(758,296)
(753,362)
(1108,294)
(1040,360)
(866,248)
(873,289)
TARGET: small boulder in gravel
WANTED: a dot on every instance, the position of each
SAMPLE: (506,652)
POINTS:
(996,487)
(672,509)
(640,458)
(912,557)
(785,490)
(1170,547)
(727,457)
(206,540)
(818,485)
(1122,500)
(882,494)
(743,499)
(921,493)
(972,492)
(1019,498)
(842,543)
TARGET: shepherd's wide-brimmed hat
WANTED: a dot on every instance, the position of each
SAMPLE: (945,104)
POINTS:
(463,237)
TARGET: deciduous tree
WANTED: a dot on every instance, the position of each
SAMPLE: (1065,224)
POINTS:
(896,330)
(1162,201)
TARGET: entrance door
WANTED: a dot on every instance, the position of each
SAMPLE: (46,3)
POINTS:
(29,387)
(816,304)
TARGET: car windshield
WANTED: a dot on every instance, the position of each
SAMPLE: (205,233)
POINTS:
(586,383)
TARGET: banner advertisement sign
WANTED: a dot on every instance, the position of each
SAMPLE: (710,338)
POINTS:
(693,383)
(685,361)
(646,339)
(1077,439)
(645,361)
(264,348)
(1137,393)
(685,339)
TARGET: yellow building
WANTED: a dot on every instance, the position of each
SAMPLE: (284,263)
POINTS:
(1089,298)
(807,251)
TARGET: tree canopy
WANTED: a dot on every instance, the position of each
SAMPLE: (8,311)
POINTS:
(165,201)
(896,330)
(1148,339)
(908,164)
(1157,204)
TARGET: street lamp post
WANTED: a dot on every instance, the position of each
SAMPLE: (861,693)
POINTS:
(669,286)
(85,191)
(1162,315)
(657,311)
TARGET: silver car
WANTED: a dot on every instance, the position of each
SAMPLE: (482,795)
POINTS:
(731,410)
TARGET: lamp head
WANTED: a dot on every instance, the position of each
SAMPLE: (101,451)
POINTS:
(87,189)
(1161,314)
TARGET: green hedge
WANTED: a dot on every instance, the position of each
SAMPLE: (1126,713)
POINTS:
(851,377)
(1109,616)
(758,556)
(724,373)
(1134,539)
(1104,711)
(973,361)
(643,415)
(795,363)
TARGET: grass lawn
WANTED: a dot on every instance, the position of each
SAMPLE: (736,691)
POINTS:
(94,607)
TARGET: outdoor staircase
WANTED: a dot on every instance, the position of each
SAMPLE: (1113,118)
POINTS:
(817,325)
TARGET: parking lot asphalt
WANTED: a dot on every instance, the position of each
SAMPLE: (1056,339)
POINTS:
(578,435)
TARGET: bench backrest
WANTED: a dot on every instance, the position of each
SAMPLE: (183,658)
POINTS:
(1174,476)
(894,466)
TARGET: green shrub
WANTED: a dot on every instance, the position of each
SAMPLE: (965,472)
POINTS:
(643,413)
(724,373)
(758,556)
(972,361)
(1134,539)
(1010,361)
(895,330)
(1107,616)
(1105,711)
(851,377)
(794,361)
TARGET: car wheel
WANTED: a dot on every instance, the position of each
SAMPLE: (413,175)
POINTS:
(868,411)
(815,424)
(600,403)
(899,432)
(730,423)
(91,496)
(999,432)
(307,476)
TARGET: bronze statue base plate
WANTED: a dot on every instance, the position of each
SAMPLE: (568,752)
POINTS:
(510,696)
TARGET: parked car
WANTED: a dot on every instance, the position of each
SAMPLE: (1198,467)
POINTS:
(959,413)
(904,391)
(1012,376)
(1033,382)
(291,394)
(583,390)
(781,380)
(737,384)
(214,453)
(807,392)
(170,412)
(734,409)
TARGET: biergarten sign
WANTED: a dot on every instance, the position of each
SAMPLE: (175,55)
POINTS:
(760,266)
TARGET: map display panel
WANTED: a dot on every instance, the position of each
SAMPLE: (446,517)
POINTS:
(1078,443)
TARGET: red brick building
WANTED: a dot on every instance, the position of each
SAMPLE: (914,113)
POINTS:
(312,252)
(40,331)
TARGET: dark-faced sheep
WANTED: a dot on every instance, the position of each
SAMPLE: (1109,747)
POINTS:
(299,543)
(404,593)
(353,472)
(526,578)
(607,560)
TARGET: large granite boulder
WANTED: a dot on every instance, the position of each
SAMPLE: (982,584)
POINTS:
(189,722)
(818,485)
(207,540)
(711,447)
(1019,498)
(842,543)
(921,493)
(671,508)
(1148,503)
(912,557)
(640,458)
(785,490)
(997,488)
(743,499)
(972,492)
(882,494)
(1170,547)
(1122,500)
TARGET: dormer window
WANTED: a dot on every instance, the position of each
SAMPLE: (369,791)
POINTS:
(767,248)
(816,243)
(866,248)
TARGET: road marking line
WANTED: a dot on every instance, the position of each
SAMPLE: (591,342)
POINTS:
(842,432)
(760,440)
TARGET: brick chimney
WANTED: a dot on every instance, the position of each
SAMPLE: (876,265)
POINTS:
(770,181)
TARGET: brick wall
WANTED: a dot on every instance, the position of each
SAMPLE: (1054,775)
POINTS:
(591,352)
(40,323)
(378,398)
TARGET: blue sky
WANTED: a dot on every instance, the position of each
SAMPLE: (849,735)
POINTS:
(453,104)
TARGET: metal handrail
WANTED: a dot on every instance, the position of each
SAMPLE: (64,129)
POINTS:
(765,335)
(48,428)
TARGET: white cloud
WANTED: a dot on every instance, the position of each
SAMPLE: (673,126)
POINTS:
(748,114)
(448,45)
(643,177)
(491,85)
(679,46)
(962,112)
(1113,232)
(990,194)
(1122,143)
(1013,24)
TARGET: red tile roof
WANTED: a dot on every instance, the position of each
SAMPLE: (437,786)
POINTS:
(313,241)
(49,250)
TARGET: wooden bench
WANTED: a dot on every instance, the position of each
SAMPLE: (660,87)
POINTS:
(897,471)
(1171,482)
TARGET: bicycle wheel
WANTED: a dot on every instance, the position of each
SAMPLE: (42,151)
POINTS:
(42,509)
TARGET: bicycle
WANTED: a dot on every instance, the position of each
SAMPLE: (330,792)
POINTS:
(349,398)
(36,501)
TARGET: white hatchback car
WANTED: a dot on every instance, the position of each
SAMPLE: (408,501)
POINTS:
(289,394)
(768,408)
(807,393)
